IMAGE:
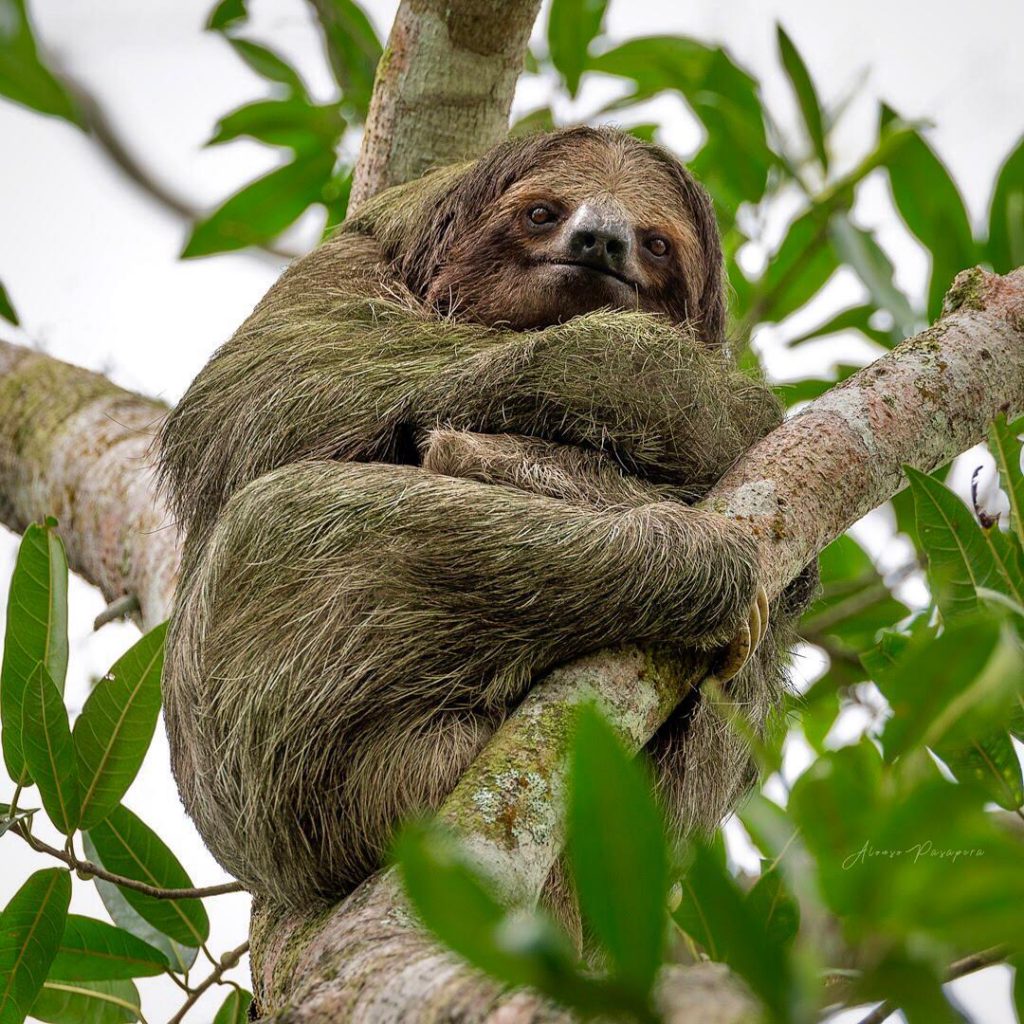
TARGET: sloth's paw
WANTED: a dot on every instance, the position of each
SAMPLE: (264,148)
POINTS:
(741,648)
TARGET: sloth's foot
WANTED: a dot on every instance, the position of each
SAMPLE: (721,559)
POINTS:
(742,646)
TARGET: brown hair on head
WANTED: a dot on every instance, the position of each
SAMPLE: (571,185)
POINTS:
(546,227)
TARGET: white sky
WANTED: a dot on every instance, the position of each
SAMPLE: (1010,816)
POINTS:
(91,265)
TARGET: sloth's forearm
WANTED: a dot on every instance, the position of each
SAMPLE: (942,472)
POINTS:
(565,472)
(629,384)
(363,379)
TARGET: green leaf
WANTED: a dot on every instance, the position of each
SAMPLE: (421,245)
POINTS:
(854,603)
(49,751)
(835,805)
(453,901)
(931,206)
(540,120)
(806,96)
(856,318)
(87,1002)
(992,763)
(809,388)
(234,1009)
(735,159)
(227,14)
(715,913)
(336,195)
(1005,250)
(37,632)
(959,559)
(797,270)
(30,930)
(264,208)
(618,852)
(1005,447)
(860,250)
(23,76)
(7,307)
(572,26)
(952,688)
(179,956)
(292,123)
(8,821)
(269,65)
(353,51)
(113,732)
(774,908)
(913,985)
(92,950)
(516,947)
(129,847)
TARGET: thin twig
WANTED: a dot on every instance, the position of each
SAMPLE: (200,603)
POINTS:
(106,135)
(88,868)
(119,609)
(226,962)
(957,969)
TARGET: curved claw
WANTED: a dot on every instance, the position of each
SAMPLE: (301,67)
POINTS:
(746,641)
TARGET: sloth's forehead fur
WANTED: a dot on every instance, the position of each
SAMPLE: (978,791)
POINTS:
(598,170)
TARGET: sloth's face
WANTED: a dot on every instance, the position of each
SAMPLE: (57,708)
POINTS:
(603,228)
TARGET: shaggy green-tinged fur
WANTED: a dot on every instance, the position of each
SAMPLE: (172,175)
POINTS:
(396,521)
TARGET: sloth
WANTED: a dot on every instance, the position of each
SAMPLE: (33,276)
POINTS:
(453,447)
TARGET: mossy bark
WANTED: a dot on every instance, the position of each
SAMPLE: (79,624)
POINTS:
(75,446)
(444,87)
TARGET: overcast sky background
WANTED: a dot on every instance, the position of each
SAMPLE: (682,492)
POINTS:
(91,262)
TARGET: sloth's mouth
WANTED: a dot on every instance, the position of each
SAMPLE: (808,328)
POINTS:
(597,268)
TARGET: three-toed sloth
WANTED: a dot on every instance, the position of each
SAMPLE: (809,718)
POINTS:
(453,447)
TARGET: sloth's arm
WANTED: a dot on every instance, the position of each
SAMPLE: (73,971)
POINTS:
(554,470)
(565,472)
(338,362)
(629,384)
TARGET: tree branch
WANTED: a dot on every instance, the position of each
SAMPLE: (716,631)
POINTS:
(957,969)
(105,134)
(88,868)
(75,446)
(444,87)
(226,962)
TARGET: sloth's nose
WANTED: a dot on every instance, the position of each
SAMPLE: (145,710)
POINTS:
(599,238)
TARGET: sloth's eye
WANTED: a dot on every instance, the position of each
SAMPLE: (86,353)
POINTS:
(657,246)
(541,215)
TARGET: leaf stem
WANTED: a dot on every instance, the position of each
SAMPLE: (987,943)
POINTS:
(86,867)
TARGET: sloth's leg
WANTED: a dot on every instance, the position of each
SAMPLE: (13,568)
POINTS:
(337,602)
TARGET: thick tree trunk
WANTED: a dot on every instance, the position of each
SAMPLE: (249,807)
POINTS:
(443,89)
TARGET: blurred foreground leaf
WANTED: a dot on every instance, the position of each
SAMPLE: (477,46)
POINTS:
(23,76)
